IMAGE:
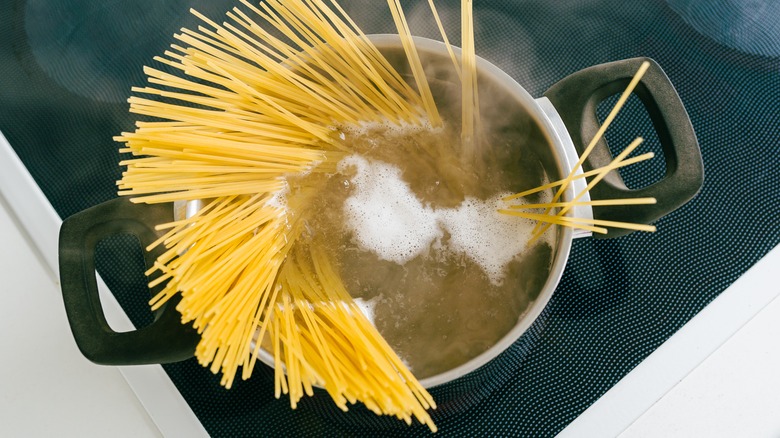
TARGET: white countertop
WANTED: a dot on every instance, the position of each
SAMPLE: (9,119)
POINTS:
(717,377)
(49,389)
(734,392)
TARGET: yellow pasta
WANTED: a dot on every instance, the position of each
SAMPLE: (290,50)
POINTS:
(599,203)
(447,44)
(615,164)
(237,109)
(235,115)
(592,183)
(357,367)
(470,100)
(540,229)
(548,218)
(414,61)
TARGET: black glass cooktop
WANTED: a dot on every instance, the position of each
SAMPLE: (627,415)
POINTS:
(66,68)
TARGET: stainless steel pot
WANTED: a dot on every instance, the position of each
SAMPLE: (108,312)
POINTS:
(563,121)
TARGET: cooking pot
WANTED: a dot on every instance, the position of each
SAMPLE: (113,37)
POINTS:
(562,122)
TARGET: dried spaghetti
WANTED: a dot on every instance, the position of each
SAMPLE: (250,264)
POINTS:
(549,218)
(236,109)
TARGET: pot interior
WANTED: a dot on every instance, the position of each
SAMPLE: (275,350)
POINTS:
(519,138)
(459,324)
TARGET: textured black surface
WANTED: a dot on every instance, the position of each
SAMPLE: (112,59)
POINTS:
(618,299)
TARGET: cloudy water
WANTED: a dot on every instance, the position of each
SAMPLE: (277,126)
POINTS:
(417,239)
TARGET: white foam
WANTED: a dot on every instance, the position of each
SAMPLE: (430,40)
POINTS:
(367,307)
(484,235)
(388,219)
(279,198)
(384,214)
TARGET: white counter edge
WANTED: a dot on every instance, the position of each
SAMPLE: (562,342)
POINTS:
(646,384)
(165,405)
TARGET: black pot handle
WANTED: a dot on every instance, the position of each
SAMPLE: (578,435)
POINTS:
(576,98)
(166,339)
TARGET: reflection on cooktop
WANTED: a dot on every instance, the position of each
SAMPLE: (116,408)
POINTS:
(93,48)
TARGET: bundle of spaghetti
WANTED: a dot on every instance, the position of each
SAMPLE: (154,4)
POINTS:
(326,339)
(549,218)
(223,262)
(308,329)
(236,111)
(593,225)
(250,107)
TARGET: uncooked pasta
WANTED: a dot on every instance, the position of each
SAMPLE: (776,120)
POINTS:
(253,117)
(234,111)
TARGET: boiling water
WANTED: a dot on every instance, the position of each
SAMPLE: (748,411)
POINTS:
(418,241)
